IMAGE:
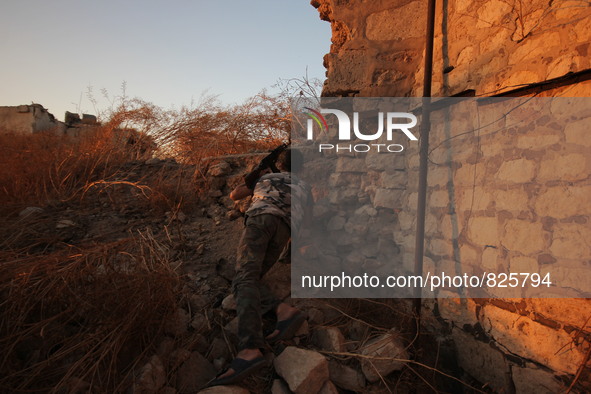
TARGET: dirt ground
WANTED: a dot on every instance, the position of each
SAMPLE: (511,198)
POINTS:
(176,341)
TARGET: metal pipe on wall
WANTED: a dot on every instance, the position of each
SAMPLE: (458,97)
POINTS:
(423,156)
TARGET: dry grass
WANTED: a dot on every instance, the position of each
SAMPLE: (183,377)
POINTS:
(83,317)
(40,168)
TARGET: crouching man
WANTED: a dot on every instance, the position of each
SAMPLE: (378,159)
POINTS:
(279,202)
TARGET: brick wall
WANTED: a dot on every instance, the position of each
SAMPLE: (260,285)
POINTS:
(502,198)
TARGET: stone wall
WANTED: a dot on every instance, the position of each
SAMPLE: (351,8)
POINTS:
(28,119)
(488,46)
(511,199)
(34,118)
(498,199)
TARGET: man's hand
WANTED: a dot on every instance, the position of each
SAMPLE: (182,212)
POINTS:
(240,192)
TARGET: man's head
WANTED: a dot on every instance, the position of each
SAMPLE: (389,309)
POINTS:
(290,160)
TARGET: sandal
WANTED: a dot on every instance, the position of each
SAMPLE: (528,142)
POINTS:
(288,327)
(242,369)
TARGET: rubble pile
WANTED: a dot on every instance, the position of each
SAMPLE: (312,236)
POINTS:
(332,352)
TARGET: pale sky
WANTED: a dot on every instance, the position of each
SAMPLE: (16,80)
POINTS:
(167,52)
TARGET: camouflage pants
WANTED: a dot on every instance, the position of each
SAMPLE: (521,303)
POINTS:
(264,239)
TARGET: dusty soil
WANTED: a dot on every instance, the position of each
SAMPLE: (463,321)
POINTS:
(197,228)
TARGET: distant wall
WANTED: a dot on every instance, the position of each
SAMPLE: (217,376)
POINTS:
(28,119)
(34,118)
(494,199)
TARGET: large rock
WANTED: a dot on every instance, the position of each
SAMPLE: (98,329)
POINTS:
(524,236)
(534,380)
(229,303)
(329,338)
(346,377)
(532,340)
(178,323)
(305,371)
(392,24)
(194,373)
(564,201)
(224,390)
(385,355)
(329,388)
(280,387)
(152,377)
(480,360)
(571,241)
(220,169)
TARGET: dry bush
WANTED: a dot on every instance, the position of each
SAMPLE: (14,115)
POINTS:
(39,168)
(83,317)
(211,129)
(80,318)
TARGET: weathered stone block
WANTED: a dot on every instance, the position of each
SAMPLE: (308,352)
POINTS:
(388,198)
(386,355)
(524,264)
(517,171)
(392,24)
(229,303)
(178,323)
(570,167)
(536,141)
(220,169)
(480,360)
(152,377)
(329,388)
(533,48)
(394,180)
(534,380)
(466,56)
(343,195)
(484,231)
(522,77)
(570,277)
(440,247)
(351,164)
(564,201)
(194,373)
(224,390)
(512,200)
(524,236)
(564,64)
(469,255)
(489,259)
(340,179)
(439,199)
(571,241)
(532,340)
(567,311)
(459,310)
(346,377)
(347,70)
(438,176)
(406,220)
(385,161)
(305,371)
(329,338)
(577,132)
(280,387)
(469,175)
(491,13)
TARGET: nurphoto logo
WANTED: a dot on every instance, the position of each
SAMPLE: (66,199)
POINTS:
(392,122)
